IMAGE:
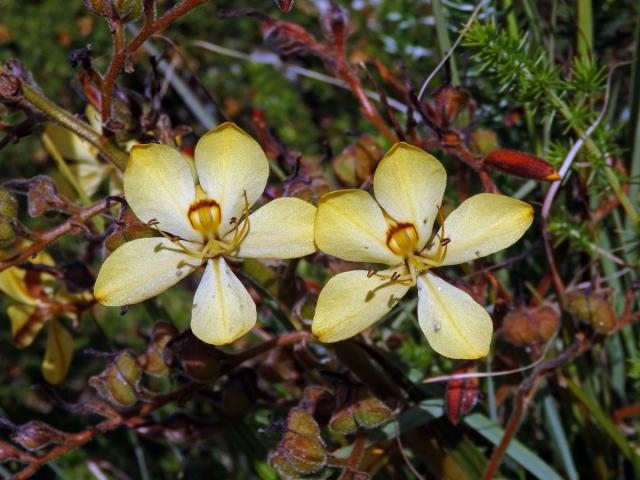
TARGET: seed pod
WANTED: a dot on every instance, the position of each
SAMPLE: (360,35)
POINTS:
(123,10)
(153,361)
(462,394)
(36,435)
(371,413)
(448,102)
(531,326)
(343,421)
(8,205)
(119,382)
(7,234)
(357,161)
(592,308)
(521,164)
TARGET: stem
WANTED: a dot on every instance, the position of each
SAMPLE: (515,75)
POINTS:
(122,52)
(444,40)
(68,121)
(585,29)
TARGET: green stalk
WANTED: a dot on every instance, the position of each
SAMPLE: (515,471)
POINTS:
(118,157)
(585,28)
(444,40)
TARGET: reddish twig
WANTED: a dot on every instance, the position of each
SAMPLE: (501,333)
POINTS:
(73,224)
(122,52)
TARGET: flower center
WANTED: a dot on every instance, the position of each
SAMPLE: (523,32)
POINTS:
(204,215)
(402,239)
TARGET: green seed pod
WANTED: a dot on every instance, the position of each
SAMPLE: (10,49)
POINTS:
(7,234)
(8,205)
(123,10)
(371,412)
(119,382)
(343,421)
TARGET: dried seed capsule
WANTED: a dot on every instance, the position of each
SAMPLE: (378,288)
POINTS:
(119,382)
(123,10)
(530,326)
(36,435)
(592,308)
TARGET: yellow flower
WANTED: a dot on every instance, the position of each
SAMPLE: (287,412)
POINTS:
(87,167)
(30,314)
(396,230)
(204,224)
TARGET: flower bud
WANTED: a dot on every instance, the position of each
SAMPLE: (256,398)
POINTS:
(521,164)
(448,101)
(123,10)
(335,23)
(530,326)
(285,5)
(462,394)
(306,455)
(592,308)
(119,382)
(36,435)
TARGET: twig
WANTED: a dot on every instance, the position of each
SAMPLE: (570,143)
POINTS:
(72,224)
(466,28)
(123,52)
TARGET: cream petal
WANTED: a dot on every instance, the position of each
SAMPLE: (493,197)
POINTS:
(158,185)
(26,323)
(409,184)
(57,357)
(12,280)
(283,228)
(484,224)
(454,324)
(229,162)
(350,225)
(141,269)
(89,176)
(352,301)
(223,310)
(69,145)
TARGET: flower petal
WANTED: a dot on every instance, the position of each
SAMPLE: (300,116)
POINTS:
(158,185)
(409,184)
(350,225)
(283,228)
(26,323)
(89,175)
(223,310)
(69,145)
(12,280)
(57,357)
(352,301)
(229,162)
(141,269)
(484,224)
(454,324)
